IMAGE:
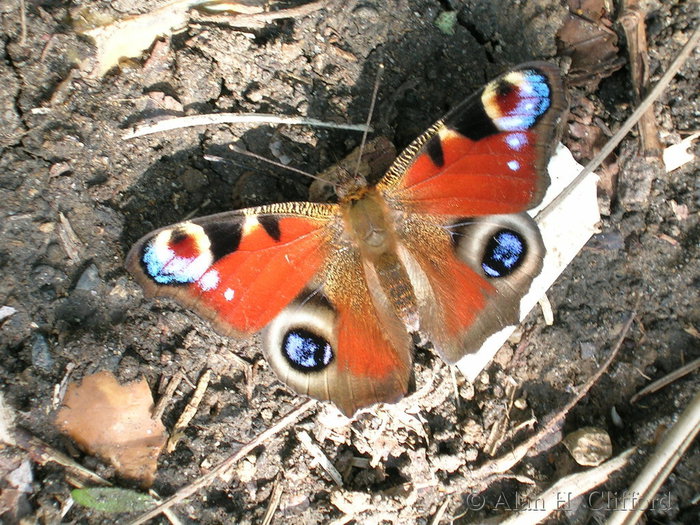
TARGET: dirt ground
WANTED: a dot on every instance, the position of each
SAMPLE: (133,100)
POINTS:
(64,161)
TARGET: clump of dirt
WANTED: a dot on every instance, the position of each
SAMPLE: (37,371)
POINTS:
(75,195)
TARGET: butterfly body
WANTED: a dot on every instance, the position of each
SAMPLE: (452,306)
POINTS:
(438,248)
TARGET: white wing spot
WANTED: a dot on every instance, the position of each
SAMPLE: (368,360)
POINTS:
(514,165)
(209,280)
(516,141)
(228,294)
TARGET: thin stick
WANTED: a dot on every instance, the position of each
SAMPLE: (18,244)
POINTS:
(43,453)
(440,513)
(661,85)
(232,118)
(239,20)
(375,90)
(660,465)
(189,411)
(320,457)
(23,23)
(274,162)
(666,380)
(226,464)
(632,21)
(172,385)
(275,498)
(507,461)
(565,490)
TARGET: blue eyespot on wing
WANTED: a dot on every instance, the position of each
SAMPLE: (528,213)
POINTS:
(306,351)
(503,254)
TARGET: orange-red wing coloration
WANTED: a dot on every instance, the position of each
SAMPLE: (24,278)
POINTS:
(264,275)
(237,269)
(477,178)
(489,155)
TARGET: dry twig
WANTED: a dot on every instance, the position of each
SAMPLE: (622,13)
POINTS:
(209,477)
(232,118)
(189,411)
(669,452)
(666,380)
(632,21)
(606,150)
(275,498)
(571,487)
(163,401)
(260,19)
(320,457)
(42,454)
(509,460)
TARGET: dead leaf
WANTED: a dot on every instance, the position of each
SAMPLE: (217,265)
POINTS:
(679,154)
(587,38)
(114,422)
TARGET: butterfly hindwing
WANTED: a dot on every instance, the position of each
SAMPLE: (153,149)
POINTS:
(471,281)
(336,343)
(285,267)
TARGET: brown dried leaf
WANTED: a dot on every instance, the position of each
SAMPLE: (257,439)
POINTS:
(114,422)
(586,37)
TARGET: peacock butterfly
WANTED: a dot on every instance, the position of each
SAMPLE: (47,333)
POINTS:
(439,248)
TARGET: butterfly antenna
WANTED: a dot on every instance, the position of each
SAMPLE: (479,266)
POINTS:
(274,163)
(375,90)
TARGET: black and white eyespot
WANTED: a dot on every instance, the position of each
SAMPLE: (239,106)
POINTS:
(504,252)
(306,351)
(301,341)
(499,246)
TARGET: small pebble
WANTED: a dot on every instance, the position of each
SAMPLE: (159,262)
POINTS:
(589,446)
(89,280)
(41,354)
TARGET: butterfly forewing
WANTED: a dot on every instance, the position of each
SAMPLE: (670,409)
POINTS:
(237,269)
(489,154)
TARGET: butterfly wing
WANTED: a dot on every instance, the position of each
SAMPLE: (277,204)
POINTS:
(488,155)
(337,342)
(237,269)
(286,267)
(458,192)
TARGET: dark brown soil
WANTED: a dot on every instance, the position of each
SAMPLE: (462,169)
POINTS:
(63,153)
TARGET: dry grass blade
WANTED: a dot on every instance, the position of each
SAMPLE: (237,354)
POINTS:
(654,94)
(260,19)
(233,118)
(167,395)
(189,411)
(275,498)
(320,457)
(210,476)
(669,452)
(572,486)
(666,380)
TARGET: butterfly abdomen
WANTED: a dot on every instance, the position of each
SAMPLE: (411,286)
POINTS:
(374,234)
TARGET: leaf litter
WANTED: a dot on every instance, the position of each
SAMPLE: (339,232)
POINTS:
(114,422)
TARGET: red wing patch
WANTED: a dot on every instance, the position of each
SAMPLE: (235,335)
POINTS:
(476,178)
(239,270)
(488,156)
